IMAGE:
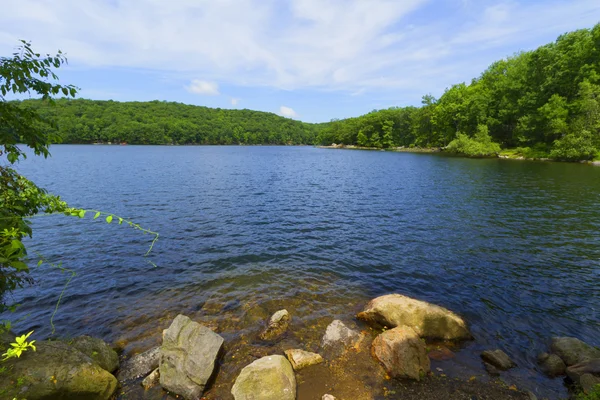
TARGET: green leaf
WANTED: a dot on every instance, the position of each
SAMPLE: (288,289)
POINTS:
(109,219)
(97,215)
(40,262)
(120,221)
(81,213)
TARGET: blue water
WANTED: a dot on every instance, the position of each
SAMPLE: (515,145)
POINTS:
(513,246)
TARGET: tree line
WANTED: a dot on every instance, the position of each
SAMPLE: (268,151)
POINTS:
(159,122)
(544,103)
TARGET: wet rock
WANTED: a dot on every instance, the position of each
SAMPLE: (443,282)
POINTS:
(278,324)
(592,367)
(268,378)
(151,380)
(337,338)
(440,353)
(187,357)
(139,365)
(56,371)
(402,353)
(98,351)
(428,320)
(573,351)
(328,397)
(551,364)
(498,359)
(588,382)
(491,369)
(302,359)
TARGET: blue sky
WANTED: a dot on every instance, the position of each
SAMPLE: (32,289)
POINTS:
(312,60)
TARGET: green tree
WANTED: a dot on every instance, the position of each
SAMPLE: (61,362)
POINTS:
(362,139)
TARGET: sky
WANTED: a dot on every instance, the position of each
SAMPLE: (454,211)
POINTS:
(312,60)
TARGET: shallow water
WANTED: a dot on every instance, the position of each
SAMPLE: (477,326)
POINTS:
(513,246)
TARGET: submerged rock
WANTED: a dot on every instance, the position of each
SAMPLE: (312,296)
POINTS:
(187,357)
(152,379)
(428,320)
(302,359)
(338,337)
(98,351)
(573,351)
(402,353)
(268,378)
(139,365)
(56,371)
(278,324)
(551,364)
(498,359)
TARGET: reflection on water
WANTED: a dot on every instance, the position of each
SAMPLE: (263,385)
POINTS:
(245,231)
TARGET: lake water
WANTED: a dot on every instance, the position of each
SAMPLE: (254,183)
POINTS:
(513,246)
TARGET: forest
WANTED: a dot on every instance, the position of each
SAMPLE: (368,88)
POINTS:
(541,103)
(538,104)
(159,122)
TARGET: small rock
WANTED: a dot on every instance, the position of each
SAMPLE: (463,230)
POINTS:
(572,350)
(278,324)
(551,364)
(139,365)
(588,382)
(428,320)
(337,338)
(268,378)
(498,359)
(531,395)
(574,372)
(187,357)
(302,359)
(440,353)
(151,380)
(402,353)
(328,397)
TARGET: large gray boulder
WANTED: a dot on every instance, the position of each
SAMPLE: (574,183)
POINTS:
(187,357)
(574,372)
(56,371)
(573,351)
(268,378)
(338,337)
(277,325)
(402,353)
(428,320)
(139,365)
(97,350)
(551,364)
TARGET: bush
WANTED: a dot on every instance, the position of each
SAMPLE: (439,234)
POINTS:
(574,147)
(594,394)
(480,145)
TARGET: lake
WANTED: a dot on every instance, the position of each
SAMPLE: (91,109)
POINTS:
(513,246)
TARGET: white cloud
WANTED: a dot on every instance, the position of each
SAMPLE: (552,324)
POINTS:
(203,87)
(234,101)
(348,45)
(287,112)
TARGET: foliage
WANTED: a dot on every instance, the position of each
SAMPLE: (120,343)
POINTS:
(480,145)
(19,346)
(544,99)
(156,122)
(594,394)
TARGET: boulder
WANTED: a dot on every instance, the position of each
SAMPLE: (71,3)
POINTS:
(402,353)
(498,359)
(588,382)
(573,351)
(152,379)
(574,372)
(428,320)
(268,378)
(97,350)
(337,338)
(187,357)
(56,371)
(302,359)
(277,325)
(492,370)
(139,365)
(551,364)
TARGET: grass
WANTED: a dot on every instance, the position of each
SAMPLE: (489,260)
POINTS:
(536,152)
(593,395)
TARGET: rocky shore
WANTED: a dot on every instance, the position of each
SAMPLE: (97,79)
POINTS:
(393,348)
